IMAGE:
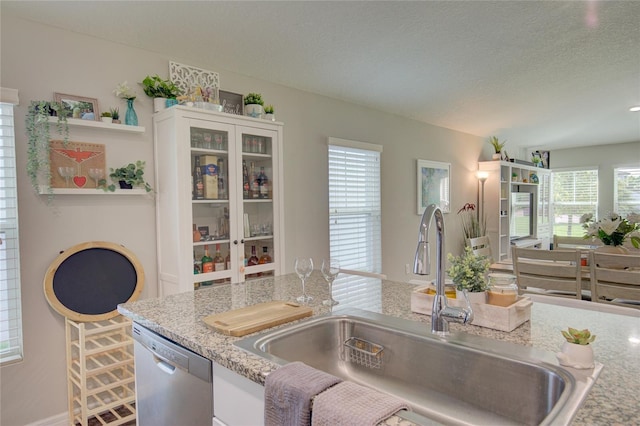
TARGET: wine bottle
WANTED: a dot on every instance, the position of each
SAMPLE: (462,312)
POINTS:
(255,187)
(253,260)
(245,180)
(218,260)
(227,261)
(263,183)
(198,184)
(207,264)
(222,183)
(265,258)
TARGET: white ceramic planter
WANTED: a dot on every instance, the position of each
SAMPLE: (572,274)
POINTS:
(254,110)
(576,356)
(270,117)
(107,119)
(159,104)
(474,297)
(497,156)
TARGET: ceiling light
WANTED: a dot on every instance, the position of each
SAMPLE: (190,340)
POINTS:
(635,108)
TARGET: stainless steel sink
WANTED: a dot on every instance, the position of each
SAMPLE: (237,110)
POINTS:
(455,379)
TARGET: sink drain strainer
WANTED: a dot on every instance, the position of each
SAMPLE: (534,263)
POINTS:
(364,353)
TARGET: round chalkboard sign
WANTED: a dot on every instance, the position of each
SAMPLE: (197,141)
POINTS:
(89,280)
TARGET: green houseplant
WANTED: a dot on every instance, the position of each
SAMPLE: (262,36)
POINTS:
(468,272)
(38,139)
(155,87)
(127,176)
(497,147)
(115,114)
(268,109)
(577,351)
(253,105)
(578,337)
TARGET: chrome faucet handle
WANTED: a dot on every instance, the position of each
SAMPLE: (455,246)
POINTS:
(468,312)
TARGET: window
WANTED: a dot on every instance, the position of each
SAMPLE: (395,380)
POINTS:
(10,309)
(354,205)
(626,192)
(575,192)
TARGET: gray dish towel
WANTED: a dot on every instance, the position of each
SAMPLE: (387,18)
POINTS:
(348,403)
(288,392)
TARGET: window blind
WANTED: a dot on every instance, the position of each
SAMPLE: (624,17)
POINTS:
(626,194)
(575,192)
(354,205)
(10,305)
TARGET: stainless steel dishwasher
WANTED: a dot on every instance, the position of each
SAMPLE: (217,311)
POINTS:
(173,385)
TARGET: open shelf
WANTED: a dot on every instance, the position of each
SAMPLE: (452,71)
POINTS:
(100,125)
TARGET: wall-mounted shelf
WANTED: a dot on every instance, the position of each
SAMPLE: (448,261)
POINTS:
(100,125)
(92,191)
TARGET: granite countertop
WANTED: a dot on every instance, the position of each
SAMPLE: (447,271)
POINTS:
(612,400)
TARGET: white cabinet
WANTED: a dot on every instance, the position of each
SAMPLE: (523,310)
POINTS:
(236,400)
(517,206)
(232,208)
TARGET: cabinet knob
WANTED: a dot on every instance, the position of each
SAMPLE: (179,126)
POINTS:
(235,242)
(242,241)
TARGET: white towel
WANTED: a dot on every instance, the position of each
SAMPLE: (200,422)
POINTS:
(288,393)
(348,403)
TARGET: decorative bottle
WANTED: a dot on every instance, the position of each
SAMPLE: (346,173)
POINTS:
(207,264)
(198,181)
(263,184)
(130,117)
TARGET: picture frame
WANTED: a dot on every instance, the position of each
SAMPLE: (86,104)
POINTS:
(232,103)
(433,185)
(79,107)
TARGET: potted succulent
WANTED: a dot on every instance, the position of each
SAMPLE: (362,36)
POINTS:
(106,117)
(468,272)
(253,105)
(115,115)
(269,113)
(127,177)
(577,351)
(38,139)
(497,147)
(160,90)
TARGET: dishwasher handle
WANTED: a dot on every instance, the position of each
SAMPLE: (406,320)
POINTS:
(164,365)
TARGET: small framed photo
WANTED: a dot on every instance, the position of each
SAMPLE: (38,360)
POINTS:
(78,106)
(433,183)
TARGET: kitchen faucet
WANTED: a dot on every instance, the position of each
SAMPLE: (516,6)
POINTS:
(441,313)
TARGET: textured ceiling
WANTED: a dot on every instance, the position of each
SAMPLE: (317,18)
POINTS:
(540,74)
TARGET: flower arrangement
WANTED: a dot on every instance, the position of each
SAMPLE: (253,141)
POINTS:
(123,91)
(613,229)
(472,227)
(578,337)
(468,271)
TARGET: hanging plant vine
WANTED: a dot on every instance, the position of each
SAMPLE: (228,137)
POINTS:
(38,132)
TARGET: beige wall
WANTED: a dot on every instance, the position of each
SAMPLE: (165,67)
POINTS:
(40,60)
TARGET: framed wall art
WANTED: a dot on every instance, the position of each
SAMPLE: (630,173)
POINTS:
(79,106)
(433,183)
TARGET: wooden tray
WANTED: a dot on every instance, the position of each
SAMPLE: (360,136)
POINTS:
(484,315)
(240,322)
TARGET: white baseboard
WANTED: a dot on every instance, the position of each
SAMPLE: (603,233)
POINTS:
(61,419)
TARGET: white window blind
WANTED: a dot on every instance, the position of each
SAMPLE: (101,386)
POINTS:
(354,205)
(626,194)
(10,306)
(575,192)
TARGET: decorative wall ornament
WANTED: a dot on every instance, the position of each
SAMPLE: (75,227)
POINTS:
(187,77)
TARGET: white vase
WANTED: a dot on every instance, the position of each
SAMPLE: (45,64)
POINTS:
(270,117)
(576,356)
(254,110)
(107,119)
(497,156)
(473,296)
(159,104)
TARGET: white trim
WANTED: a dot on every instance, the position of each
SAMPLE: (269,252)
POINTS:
(355,144)
(61,419)
(9,96)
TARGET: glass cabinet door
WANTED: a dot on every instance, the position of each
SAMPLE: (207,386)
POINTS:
(256,148)
(211,154)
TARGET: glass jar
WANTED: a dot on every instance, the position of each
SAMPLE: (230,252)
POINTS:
(503,290)
(449,289)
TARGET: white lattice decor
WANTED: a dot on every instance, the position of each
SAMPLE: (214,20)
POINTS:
(187,78)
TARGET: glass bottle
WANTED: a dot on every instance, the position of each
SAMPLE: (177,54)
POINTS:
(130,117)
(198,180)
(263,184)
(222,184)
(207,264)
(265,258)
(196,235)
(255,186)
(245,180)
(218,260)
(253,260)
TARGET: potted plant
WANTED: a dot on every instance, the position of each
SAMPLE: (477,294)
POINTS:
(115,115)
(269,113)
(497,147)
(106,117)
(468,272)
(577,351)
(38,139)
(472,226)
(127,177)
(253,105)
(160,90)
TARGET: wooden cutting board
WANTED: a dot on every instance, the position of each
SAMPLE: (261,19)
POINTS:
(240,322)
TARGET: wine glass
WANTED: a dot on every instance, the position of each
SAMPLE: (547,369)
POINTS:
(330,270)
(66,173)
(96,175)
(303,267)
